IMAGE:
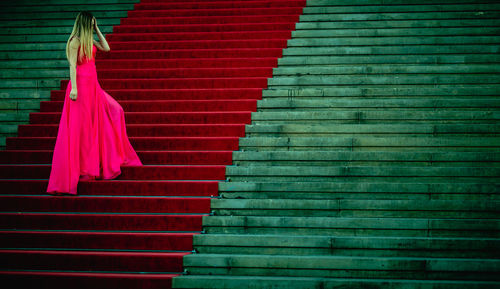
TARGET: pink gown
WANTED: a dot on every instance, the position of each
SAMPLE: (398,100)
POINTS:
(91,140)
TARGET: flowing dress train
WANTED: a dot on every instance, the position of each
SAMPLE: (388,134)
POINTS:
(92,141)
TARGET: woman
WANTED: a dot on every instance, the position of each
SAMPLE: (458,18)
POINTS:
(92,140)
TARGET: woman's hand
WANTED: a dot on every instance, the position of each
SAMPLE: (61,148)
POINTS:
(73,94)
(94,23)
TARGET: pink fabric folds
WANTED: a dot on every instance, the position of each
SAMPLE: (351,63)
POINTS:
(92,141)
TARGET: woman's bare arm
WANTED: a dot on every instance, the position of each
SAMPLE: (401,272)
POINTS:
(74,44)
(102,44)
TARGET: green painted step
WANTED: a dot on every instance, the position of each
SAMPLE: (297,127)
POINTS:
(31,64)
(47,73)
(353,226)
(371,143)
(50,23)
(65,2)
(391,40)
(383,32)
(311,3)
(382,79)
(299,130)
(397,15)
(358,70)
(375,190)
(42,37)
(357,208)
(314,173)
(332,158)
(312,100)
(374,50)
(389,59)
(304,25)
(98,13)
(251,282)
(472,91)
(380,8)
(347,246)
(15,11)
(50,30)
(30,83)
(375,116)
(343,266)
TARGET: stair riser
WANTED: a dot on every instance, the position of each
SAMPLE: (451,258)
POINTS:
(178,143)
(173,94)
(221,12)
(160,118)
(86,280)
(170,106)
(340,273)
(219,5)
(209,20)
(98,222)
(147,157)
(201,28)
(107,241)
(127,172)
(28,260)
(121,188)
(148,130)
(185,36)
(179,83)
(105,204)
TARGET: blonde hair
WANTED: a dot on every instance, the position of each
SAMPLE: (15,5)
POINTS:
(84,30)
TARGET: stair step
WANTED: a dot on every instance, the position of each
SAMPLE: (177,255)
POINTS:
(139,143)
(148,130)
(372,143)
(411,41)
(148,172)
(114,204)
(148,63)
(274,34)
(386,226)
(424,94)
(371,8)
(119,188)
(247,282)
(176,94)
(96,240)
(300,130)
(342,266)
(389,59)
(356,208)
(216,12)
(211,117)
(91,261)
(346,246)
(218,5)
(145,28)
(170,105)
(146,157)
(367,190)
(95,222)
(63,279)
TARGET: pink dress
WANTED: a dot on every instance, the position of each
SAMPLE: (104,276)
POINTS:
(91,140)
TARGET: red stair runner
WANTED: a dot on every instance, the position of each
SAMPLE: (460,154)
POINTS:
(188,75)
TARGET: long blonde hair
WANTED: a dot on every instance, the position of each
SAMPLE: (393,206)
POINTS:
(84,30)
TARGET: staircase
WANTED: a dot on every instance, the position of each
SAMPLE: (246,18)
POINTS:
(372,160)
(188,75)
(33,39)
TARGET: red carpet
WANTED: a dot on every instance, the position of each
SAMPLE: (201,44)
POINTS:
(188,75)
